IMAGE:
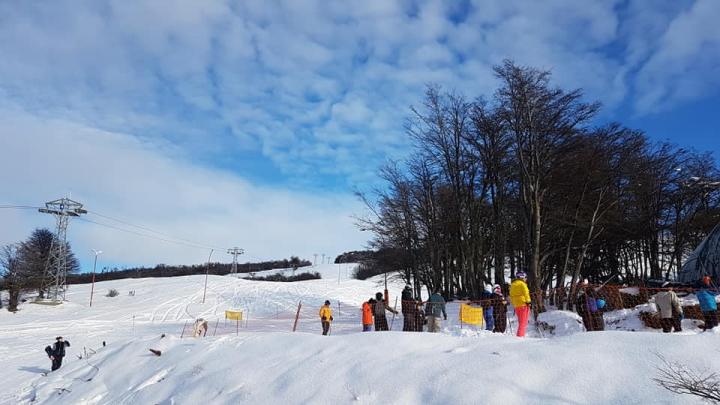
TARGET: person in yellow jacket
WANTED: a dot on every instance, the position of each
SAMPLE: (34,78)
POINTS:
(520,300)
(326,317)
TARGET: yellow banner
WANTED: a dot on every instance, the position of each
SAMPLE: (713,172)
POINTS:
(233,315)
(471,315)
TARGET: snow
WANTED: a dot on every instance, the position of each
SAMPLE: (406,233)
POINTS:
(267,363)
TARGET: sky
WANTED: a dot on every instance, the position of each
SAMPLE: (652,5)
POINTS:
(251,123)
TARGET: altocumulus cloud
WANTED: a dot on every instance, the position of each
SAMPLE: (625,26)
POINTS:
(321,88)
(316,91)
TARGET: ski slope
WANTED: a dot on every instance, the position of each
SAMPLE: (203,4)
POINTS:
(266,363)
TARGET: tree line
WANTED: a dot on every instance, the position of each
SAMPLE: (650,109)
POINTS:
(164,270)
(527,178)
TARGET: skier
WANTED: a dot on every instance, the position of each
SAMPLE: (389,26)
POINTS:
(586,306)
(487,300)
(367,316)
(670,310)
(433,309)
(326,317)
(379,312)
(499,310)
(408,307)
(520,300)
(708,306)
(57,352)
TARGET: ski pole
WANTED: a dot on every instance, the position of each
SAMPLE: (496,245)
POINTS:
(394,313)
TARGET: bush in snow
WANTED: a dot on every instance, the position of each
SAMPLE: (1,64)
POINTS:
(112,293)
(280,277)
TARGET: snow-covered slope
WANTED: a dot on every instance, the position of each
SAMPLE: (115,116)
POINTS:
(370,368)
(267,363)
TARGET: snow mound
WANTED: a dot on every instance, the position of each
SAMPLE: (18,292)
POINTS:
(560,323)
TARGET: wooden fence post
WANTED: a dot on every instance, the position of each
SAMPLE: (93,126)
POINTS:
(297,315)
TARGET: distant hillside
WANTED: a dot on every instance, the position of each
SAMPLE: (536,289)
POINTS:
(162,270)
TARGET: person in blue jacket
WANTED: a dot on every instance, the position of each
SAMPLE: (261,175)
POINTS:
(487,299)
(708,306)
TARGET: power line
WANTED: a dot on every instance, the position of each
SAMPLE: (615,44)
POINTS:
(144,228)
(193,245)
(160,236)
(19,207)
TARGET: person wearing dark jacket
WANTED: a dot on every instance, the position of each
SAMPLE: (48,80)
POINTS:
(379,309)
(499,310)
(487,300)
(409,309)
(587,308)
(57,352)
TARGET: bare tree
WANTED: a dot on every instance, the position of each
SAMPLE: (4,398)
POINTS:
(11,266)
(679,379)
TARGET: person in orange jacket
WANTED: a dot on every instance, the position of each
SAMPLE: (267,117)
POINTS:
(326,317)
(520,300)
(367,316)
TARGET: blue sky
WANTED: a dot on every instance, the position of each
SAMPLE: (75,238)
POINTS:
(296,103)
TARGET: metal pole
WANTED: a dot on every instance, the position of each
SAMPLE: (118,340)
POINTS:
(92,288)
(207,270)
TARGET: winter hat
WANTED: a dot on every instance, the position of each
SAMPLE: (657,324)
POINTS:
(327,302)
(408,287)
(497,289)
(379,296)
(521,274)
(59,338)
(665,284)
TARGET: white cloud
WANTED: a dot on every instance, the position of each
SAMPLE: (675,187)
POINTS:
(144,183)
(685,65)
(317,89)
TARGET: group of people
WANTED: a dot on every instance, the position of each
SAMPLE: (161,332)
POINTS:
(417,314)
(588,304)
(671,311)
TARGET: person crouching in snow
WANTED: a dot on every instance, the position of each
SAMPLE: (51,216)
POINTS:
(57,352)
(708,306)
(326,317)
(499,310)
(433,309)
(520,300)
(379,312)
(200,328)
(367,315)
(670,310)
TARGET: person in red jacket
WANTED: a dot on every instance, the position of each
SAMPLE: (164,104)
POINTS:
(367,316)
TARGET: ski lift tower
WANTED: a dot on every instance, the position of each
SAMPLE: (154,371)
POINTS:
(54,279)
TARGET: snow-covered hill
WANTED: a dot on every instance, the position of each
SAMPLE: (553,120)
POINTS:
(267,363)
